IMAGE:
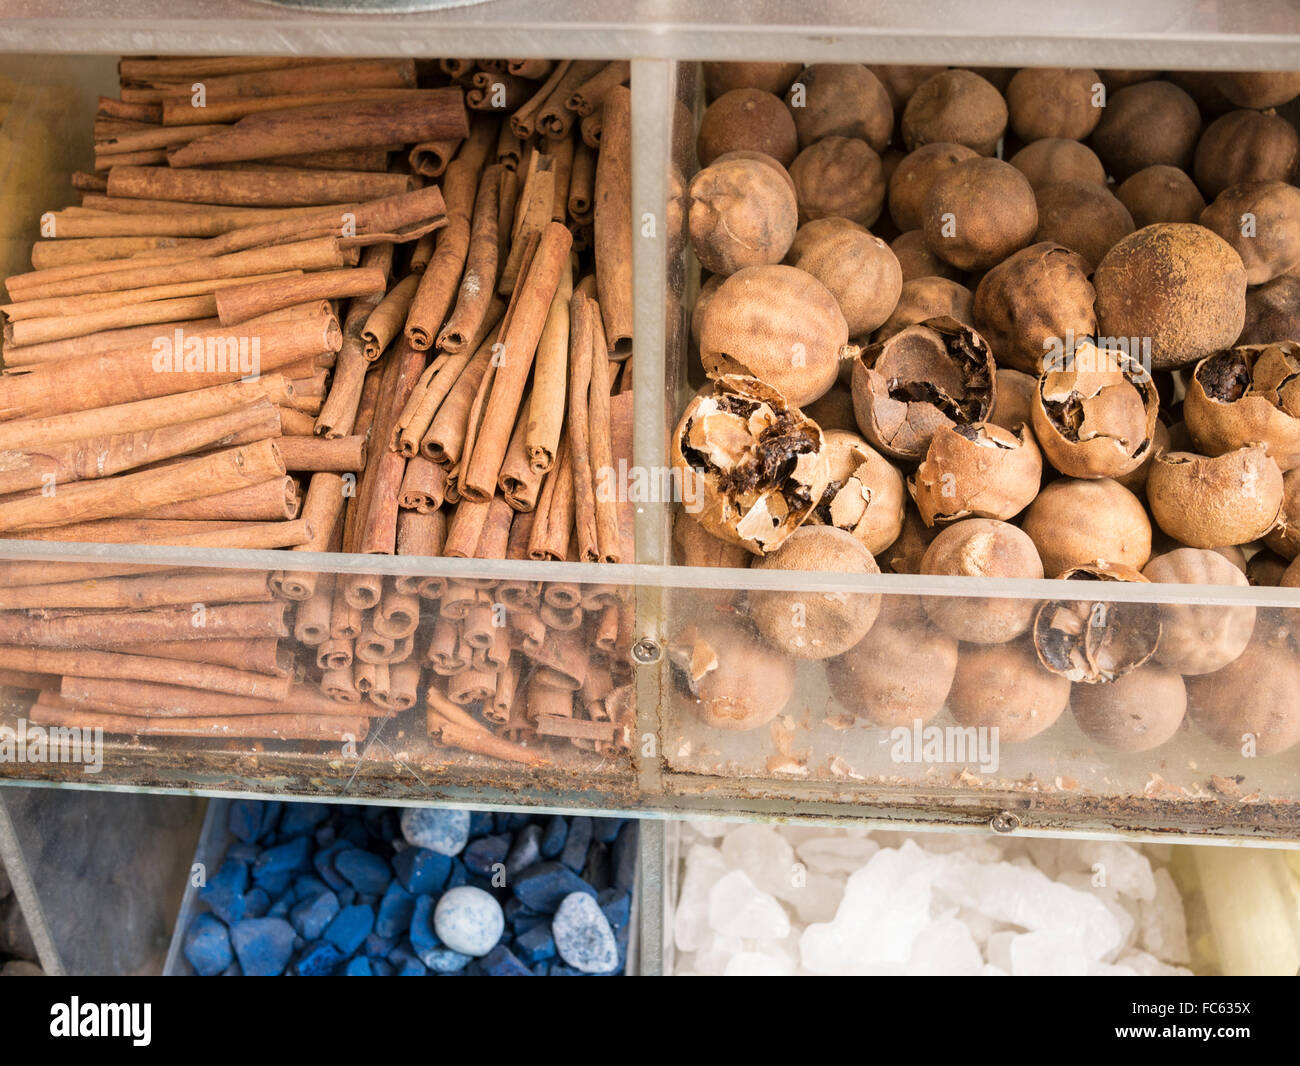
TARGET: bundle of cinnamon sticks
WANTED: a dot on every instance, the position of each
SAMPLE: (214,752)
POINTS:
(371,306)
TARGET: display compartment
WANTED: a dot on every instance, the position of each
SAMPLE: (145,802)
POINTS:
(655,768)
(781,900)
(491,868)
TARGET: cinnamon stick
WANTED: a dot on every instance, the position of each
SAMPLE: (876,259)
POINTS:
(237,305)
(254,188)
(613,221)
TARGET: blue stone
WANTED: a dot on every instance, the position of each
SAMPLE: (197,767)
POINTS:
(557,829)
(275,884)
(319,959)
(526,920)
(574,855)
(623,857)
(302,818)
(263,945)
(207,946)
(353,831)
(395,911)
(256,903)
(501,962)
(540,969)
(347,895)
(323,862)
(224,893)
(444,960)
(381,968)
(421,871)
(423,937)
(596,872)
(244,852)
(480,823)
(325,836)
(485,852)
(468,920)
(412,968)
(525,849)
(282,907)
(366,872)
(232,970)
(443,830)
(535,945)
(458,875)
(559,969)
(291,858)
(358,967)
(306,886)
(244,819)
(270,815)
(500,822)
(543,886)
(606,829)
(517,820)
(311,917)
(616,906)
(378,947)
(583,936)
(350,927)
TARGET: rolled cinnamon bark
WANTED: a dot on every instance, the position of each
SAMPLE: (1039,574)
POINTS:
(554,119)
(553,524)
(271,500)
(99,457)
(314,77)
(345,620)
(334,655)
(311,621)
(620,419)
(258,656)
(46,254)
(403,686)
(613,221)
(440,380)
(456,735)
(445,653)
(532,69)
(143,414)
(587,98)
(339,414)
(150,590)
(377,532)
(524,121)
(86,662)
(237,305)
(338,685)
(421,534)
(108,629)
(533,212)
(338,454)
(143,371)
(546,416)
(423,486)
(61,327)
(471,686)
(591,126)
(602,458)
(268,726)
(146,137)
(479,280)
(254,188)
(519,340)
(386,320)
(295,423)
(493,91)
(438,283)
(164,218)
(131,493)
(508,151)
(465,528)
(372,646)
(581,385)
(398,613)
(518,481)
(494,538)
(114,108)
(430,115)
(180,112)
(321,253)
(187,68)
(430,158)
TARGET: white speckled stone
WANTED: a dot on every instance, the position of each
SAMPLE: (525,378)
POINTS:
(468,920)
(583,936)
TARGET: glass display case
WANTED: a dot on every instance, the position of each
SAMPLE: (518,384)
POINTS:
(671,680)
